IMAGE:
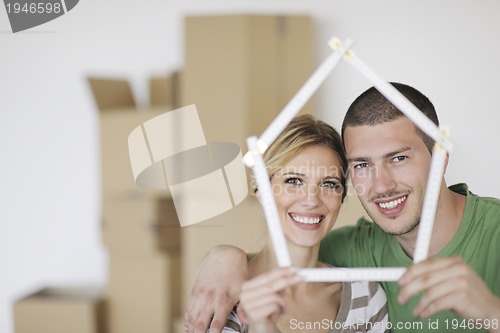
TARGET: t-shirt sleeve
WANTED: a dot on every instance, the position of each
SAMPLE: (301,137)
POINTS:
(349,246)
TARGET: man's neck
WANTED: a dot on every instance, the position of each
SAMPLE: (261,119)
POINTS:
(449,214)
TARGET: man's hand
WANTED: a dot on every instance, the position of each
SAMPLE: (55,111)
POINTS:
(449,284)
(216,290)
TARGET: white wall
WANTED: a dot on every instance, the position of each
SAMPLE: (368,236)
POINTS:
(49,190)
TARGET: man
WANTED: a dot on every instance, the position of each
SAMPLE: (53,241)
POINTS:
(457,289)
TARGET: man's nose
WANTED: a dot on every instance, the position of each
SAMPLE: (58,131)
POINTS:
(383,180)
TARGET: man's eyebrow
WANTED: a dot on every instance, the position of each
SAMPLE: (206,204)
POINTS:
(396,152)
(358,159)
(386,156)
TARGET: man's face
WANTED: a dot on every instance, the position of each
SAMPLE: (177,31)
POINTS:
(389,165)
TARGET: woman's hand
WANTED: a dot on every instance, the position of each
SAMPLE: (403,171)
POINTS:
(262,298)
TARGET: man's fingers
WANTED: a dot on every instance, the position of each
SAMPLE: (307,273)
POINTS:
(215,281)
(445,302)
(421,283)
(197,315)
(214,317)
(428,266)
(448,284)
(428,274)
(203,320)
(192,312)
(436,299)
(224,307)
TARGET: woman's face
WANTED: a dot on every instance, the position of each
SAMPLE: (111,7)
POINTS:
(308,194)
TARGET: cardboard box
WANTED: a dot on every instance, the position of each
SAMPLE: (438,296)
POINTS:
(144,293)
(117,178)
(61,310)
(241,70)
(140,227)
(111,93)
(164,90)
(161,90)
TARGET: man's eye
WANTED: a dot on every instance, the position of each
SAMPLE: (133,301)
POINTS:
(399,158)
(293,181)
(360,165)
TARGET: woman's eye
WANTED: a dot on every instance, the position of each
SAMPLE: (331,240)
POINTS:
(293,181)
(332,185)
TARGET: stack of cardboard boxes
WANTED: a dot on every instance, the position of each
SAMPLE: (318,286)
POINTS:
(141,232)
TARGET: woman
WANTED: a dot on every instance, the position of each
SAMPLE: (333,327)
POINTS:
(307,167)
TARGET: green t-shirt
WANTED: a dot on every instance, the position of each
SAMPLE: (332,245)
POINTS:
(477,241)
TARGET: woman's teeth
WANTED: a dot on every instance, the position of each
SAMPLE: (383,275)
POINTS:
(306,220)
(392,204)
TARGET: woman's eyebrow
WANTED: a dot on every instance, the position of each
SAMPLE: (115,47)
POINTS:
(293,174)
(332,177)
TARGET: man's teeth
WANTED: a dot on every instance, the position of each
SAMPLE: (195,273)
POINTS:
(306,220)
(392,204)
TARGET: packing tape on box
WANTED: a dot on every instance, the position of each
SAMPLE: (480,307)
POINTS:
(170,152)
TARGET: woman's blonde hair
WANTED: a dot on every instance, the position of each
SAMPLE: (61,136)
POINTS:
(304,131)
